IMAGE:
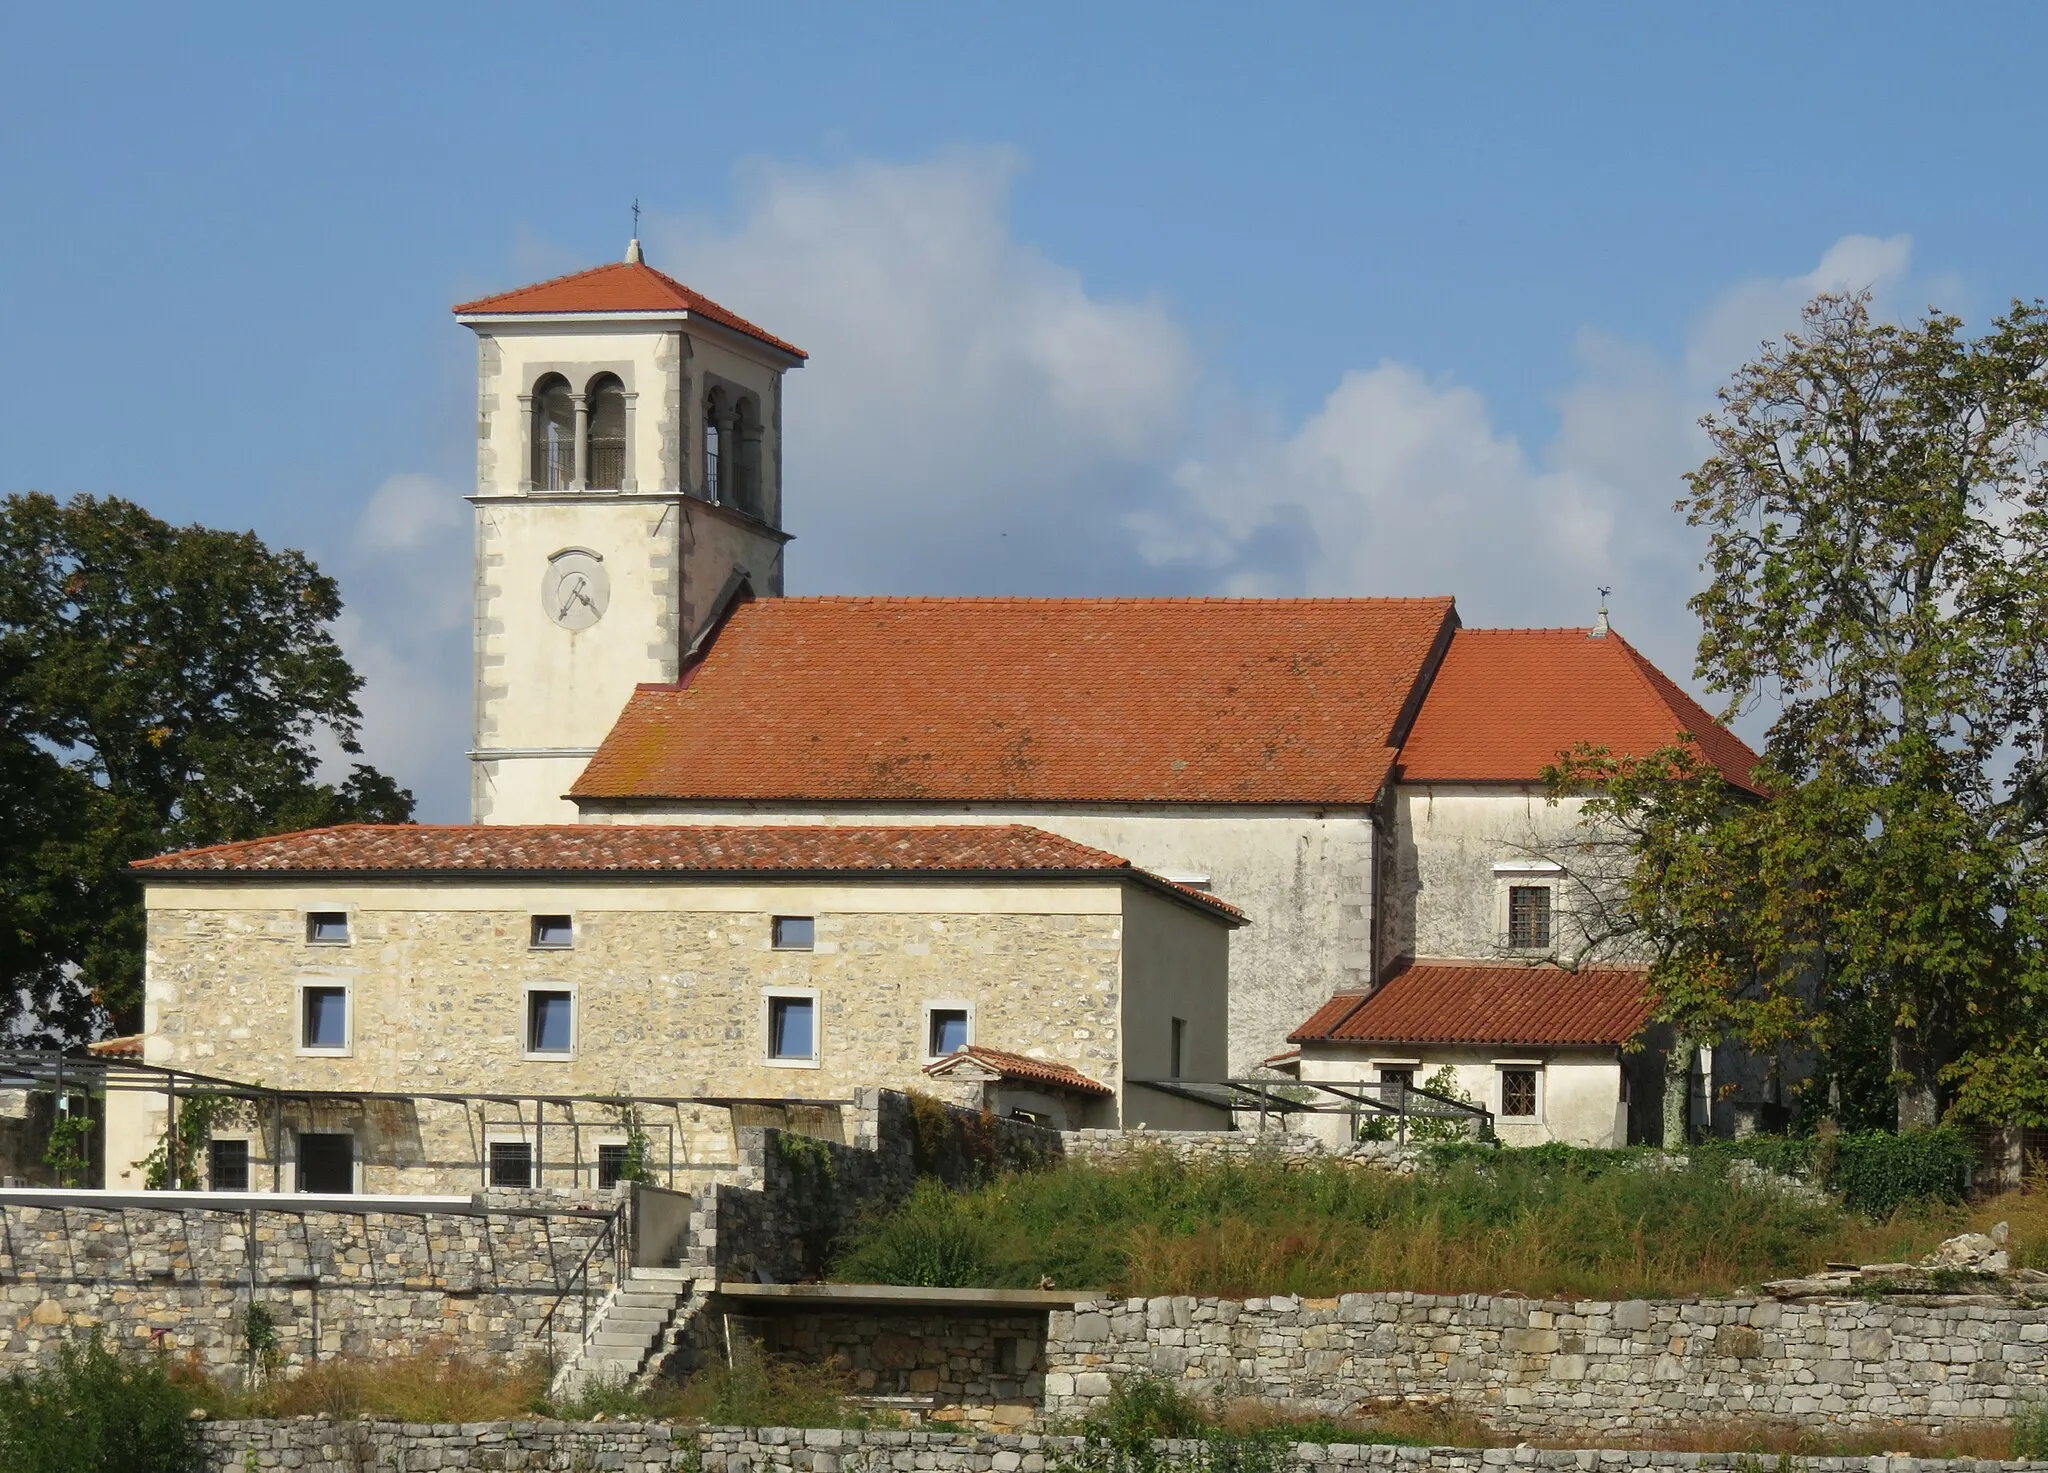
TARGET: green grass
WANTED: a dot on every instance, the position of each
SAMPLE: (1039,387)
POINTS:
(1545,1221)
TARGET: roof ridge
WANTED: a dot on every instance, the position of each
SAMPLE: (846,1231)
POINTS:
(809,599)
(534,286)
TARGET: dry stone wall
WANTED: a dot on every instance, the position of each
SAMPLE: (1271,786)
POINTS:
(1573,1368)
(369,1284)
(980,1369)
(796,1195)
(1124,1147)
(310,1446)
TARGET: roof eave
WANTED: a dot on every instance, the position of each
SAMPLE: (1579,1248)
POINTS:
(786,357)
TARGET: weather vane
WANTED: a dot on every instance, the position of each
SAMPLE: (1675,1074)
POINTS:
(636,217)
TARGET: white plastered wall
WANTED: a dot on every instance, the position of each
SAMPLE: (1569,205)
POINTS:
(1176,965)
(1579,1091)
(1456,850)
(544,695)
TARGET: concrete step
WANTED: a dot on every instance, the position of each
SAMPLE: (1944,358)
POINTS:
(646,1299)
(621,1340)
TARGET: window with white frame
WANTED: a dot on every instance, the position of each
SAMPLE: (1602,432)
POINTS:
(550,1022)
(552,933)
(327,928)
(948,1028)
(325,1022)
(1521,1090)
(791,1026)
(1529,917)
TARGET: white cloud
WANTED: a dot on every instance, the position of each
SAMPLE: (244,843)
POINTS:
(972,418)
(408,513)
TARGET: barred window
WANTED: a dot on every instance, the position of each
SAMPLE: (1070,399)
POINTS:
(511,1163)
(1529,917)
(1518,1092)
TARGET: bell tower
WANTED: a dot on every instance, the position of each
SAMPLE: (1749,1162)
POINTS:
(628,476)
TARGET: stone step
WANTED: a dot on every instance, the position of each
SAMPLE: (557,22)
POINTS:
(645,1299)
(652,1318)
(622,1340)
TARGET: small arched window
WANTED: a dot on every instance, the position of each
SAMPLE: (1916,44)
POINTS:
(716,468)
(746,454)
(554,434)
(607,400)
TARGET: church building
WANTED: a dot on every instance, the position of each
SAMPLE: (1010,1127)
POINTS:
(1307,829)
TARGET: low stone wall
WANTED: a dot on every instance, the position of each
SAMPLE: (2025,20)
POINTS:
(628,1447)
(1571,1368)
(796,1194)
(182,1278)
(1120,1147)
(981,1369)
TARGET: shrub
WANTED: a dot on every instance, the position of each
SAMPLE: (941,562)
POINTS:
(1123,1436)
(931,1241)
(1878,1173)
(96,1412)
(2030,1431)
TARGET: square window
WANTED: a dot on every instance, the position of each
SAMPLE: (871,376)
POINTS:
(611,1166)
(327,1162)
(946,1032)
(796,933)
(1394,1081)
(553,933)
(550,1022)
(511,1164)
(792,1033)
(1529,917)
(327,927)
(227,1166)
(324,1023)
(1518,1092)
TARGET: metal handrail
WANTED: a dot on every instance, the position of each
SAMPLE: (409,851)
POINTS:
(612,1233)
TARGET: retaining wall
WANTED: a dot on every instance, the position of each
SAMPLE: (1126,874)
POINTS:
(334,1283)
(1121,1147)
(310,1446)
(1574,1369)
(796,1195)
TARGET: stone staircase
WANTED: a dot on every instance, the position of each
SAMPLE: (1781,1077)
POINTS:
(632,1323)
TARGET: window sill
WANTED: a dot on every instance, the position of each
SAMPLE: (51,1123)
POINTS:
(548,1056)
(304,1052)
(791,1063)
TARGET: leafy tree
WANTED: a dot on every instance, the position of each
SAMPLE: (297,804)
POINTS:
(160,687)
(1671,866)
(1877,520)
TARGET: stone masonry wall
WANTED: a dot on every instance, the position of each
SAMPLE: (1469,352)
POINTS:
(182,1280)
(349,1447)
(982,1369)
(1123,1147)
(1574,1368)
(668,1001)
(796,1195)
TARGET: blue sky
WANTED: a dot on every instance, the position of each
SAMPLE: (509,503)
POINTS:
(1190,298)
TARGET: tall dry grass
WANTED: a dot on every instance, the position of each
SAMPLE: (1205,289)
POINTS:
(1557,1224)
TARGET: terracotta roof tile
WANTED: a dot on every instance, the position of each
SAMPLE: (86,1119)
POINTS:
(622,286)
(1021,1067)
(1506,702)
(1488,1003)
(127,1046)
(681,850)
(1031,700)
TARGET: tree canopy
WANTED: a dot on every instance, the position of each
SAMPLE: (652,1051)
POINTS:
(160,687)
(1876,512)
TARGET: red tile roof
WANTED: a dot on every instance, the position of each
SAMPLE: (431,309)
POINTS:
(1023,1068)
(1031,700)
(676,850)
(1488,1003)
(622,286)
(127,1046)
(1507,701)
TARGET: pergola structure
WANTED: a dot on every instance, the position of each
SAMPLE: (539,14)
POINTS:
(65,1074)
(1358,1098)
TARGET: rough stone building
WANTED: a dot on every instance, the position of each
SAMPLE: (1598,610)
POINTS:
(455,1004)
